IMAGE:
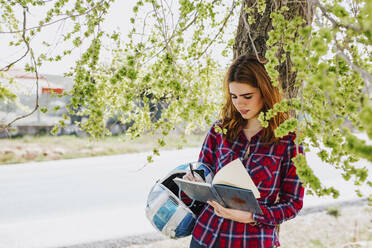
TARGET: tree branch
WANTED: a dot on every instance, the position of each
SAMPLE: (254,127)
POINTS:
(5,127)
(53,22)
(163,25)
(246,24)
(222,27)
(334,22)
(355,67)
(6,68)
(196,15)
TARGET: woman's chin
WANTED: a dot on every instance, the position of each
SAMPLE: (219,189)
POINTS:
(247,117)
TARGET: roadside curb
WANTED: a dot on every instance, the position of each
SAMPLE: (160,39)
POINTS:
(341,204)
(147,238)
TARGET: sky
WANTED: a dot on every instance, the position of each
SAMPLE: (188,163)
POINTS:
(118,18)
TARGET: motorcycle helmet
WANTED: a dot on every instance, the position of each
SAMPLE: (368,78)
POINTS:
(168,209)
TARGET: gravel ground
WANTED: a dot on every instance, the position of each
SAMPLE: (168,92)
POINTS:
(352,228)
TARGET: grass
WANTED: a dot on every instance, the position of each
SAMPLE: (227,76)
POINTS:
(316,243)
(334,211)
(43,148)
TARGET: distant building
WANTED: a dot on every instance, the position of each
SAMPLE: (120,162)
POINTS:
(25,88)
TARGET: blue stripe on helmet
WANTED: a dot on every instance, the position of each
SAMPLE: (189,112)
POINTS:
(182,167)
(185,227)
(164,214)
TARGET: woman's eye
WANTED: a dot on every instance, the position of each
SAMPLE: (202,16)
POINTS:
(245,97)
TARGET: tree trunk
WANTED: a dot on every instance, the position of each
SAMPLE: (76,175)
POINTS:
(251,38)
(257,33)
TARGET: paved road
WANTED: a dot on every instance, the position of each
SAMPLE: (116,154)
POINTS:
(68,202)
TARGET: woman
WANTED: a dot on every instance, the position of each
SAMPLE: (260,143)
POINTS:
(248,91)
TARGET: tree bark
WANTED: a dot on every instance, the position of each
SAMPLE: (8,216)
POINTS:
(251,38)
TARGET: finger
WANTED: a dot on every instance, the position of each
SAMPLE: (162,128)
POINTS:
(198,178)
(212,203)
(188,177)
(217,212)
(193,179)
(220,209)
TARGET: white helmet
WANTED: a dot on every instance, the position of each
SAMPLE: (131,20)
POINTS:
(165,208)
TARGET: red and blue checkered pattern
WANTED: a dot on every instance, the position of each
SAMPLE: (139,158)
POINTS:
(274,174)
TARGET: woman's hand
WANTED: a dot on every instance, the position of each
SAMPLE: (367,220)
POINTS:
(190,177)
(232,214)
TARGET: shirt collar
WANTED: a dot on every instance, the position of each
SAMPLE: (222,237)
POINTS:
(254,138)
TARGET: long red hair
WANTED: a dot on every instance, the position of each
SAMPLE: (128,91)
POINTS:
(249,70)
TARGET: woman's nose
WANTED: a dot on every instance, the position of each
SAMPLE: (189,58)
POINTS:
(240,101)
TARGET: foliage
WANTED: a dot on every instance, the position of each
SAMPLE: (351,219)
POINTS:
(153,74)
(169,73)
(334,211)
(333,84)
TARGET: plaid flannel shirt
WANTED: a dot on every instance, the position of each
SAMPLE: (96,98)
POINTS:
(273,172)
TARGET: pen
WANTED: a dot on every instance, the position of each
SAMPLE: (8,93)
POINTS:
(191,169)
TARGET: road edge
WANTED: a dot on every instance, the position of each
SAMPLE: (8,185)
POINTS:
(146,238)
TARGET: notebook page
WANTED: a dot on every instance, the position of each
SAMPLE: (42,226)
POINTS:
(235,174)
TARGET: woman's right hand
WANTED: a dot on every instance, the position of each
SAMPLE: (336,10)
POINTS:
(190,177)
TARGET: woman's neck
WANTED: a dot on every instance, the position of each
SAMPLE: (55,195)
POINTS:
(253,125)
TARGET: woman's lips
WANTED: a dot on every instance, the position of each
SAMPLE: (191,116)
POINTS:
(243,112)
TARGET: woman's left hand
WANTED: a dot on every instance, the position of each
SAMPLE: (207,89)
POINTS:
(232,214)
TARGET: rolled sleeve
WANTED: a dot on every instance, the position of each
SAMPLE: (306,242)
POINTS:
(290,195)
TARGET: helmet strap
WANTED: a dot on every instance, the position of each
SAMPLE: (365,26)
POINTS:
(179,197)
